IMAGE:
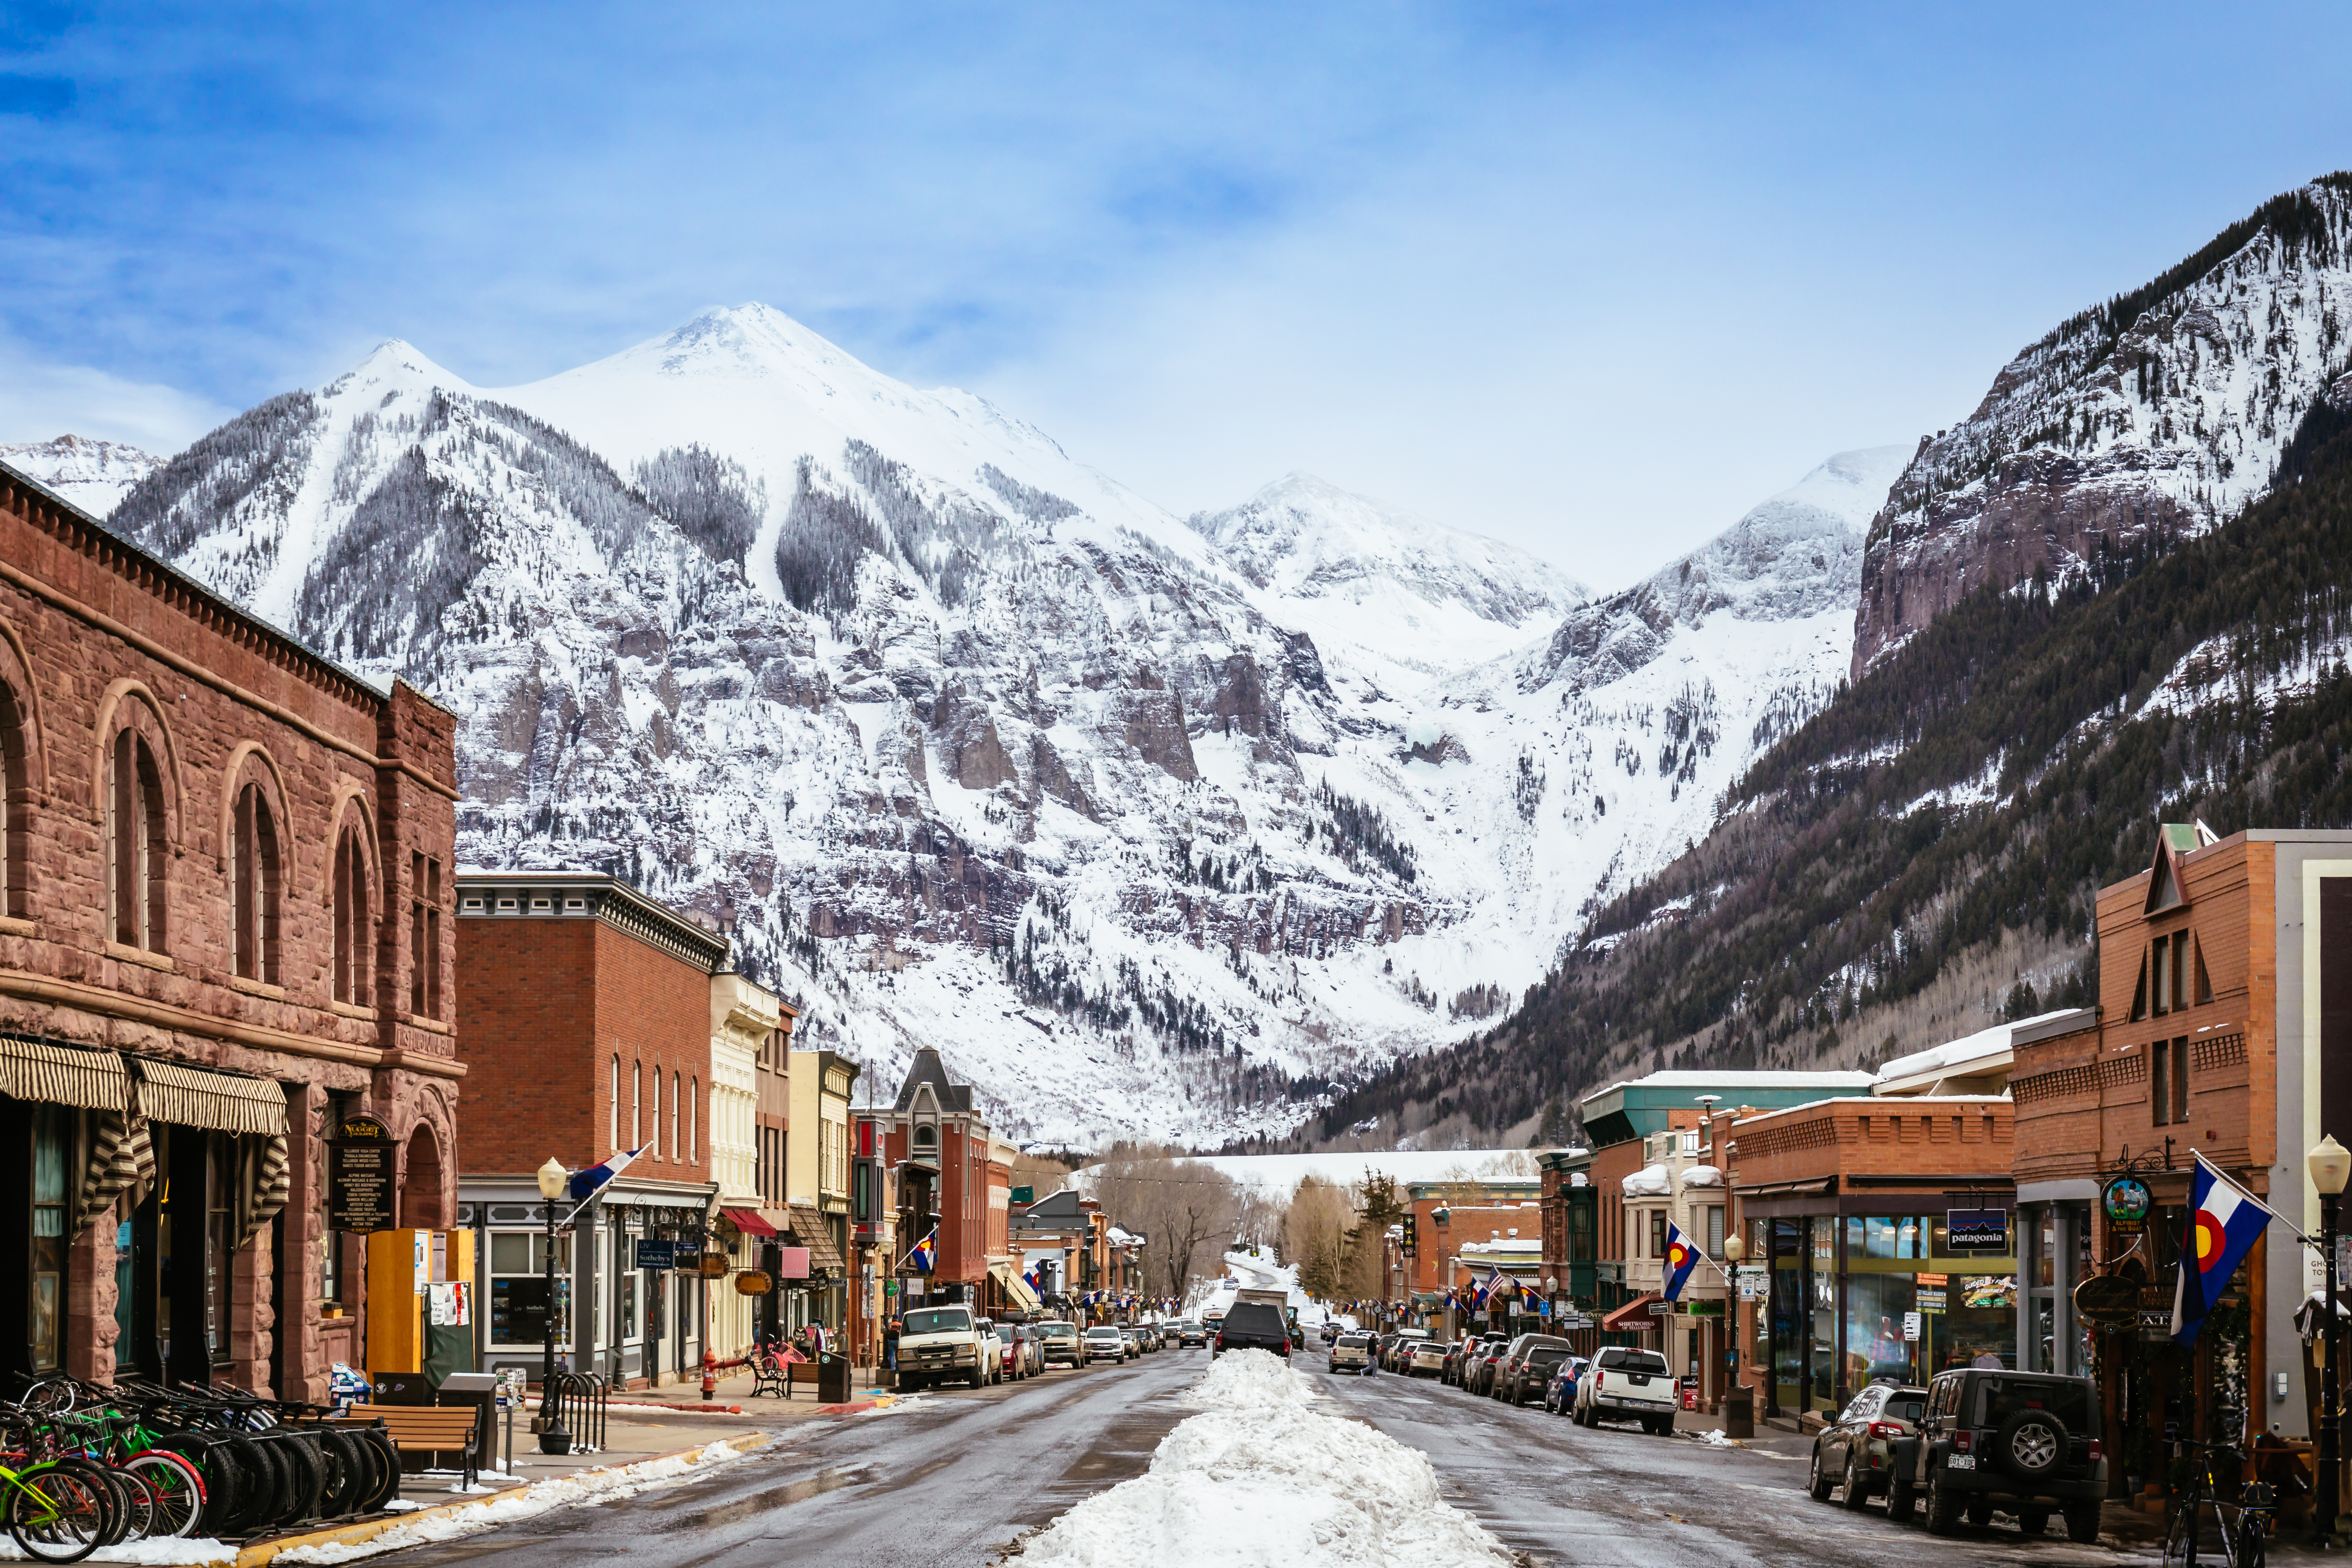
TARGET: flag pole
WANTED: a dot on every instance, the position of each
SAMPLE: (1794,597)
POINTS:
(2236,1186)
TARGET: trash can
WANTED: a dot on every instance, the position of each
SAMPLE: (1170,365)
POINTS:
(1740,1413)
(478,1389)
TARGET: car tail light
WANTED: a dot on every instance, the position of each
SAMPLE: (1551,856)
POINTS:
(1887,1429)
(1963,1440)
(2098,1450)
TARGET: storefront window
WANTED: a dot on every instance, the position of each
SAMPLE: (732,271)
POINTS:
(1875,1346)
(50,1131)
(1980,1328)
(220,1240)
(518,1287)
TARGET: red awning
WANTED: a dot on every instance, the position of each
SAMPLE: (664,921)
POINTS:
(1633,1316)
(747,1221)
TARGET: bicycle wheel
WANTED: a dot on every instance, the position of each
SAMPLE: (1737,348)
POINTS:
(178,1490)
(2180,1539)
(58,1516)
(387,1467)
(134,1515)
(351,1470)
(2251,1554)
(306,1476)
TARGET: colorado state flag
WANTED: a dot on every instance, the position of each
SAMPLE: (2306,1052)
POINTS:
(2223,1222)
(926,1254)
(1681,1256)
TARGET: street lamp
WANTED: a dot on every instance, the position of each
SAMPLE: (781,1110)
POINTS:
(1734,1249)
(2329,1164)
(553,1438)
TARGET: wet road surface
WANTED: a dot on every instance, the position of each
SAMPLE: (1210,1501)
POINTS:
(943,1480)
(1617,1496)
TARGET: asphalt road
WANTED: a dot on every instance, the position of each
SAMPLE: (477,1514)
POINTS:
(1617,1496)
(952,1476)
(942,1479)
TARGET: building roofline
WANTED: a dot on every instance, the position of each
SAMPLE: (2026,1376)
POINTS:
(610,901)
(227,608)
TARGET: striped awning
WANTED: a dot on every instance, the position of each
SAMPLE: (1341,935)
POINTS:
(196,1097)
(53,1074)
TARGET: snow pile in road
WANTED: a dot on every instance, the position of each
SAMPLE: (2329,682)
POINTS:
(525,1503)
(1260,1477)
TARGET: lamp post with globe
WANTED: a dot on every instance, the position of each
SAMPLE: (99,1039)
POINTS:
(2329,1164)
(552,1436)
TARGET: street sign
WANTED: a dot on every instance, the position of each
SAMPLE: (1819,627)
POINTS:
(1021,1195)
(360,1163)
(2127,1202)
(1928,1298)
(2106,1299)
(1662,1309)
(1976,1230)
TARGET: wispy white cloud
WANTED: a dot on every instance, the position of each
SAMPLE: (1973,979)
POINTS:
(40,399)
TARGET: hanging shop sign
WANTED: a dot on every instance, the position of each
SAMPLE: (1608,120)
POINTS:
(362,1162)
(1976,1230)
(711,1264)
(656,1252)
(2127,1202)
(792,1262)
(2107,1299)
(754,1282)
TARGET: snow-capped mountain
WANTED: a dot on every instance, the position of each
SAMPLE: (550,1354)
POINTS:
(1378,586)
(93,475)
(964,743)
(2164,409)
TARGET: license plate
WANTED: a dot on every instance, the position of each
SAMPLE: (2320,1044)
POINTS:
(1961,1462)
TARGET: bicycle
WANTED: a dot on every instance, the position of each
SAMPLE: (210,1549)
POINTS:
(2241,1539)
(57,1511)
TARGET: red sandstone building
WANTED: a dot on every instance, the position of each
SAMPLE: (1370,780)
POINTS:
(228,878)
(586,1011)
(2224,1015)
(937,1147)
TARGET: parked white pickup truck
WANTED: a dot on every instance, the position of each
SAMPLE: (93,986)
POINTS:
(943,1344)
(1627,1384)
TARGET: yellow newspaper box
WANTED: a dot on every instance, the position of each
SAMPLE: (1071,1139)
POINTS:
(404,1269)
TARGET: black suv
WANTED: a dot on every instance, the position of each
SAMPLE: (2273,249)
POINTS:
(2027,1442)
(1252,1326)
(1527,1366)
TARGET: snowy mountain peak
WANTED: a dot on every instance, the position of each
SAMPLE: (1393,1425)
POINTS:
(93,475)
(1384,580)
(395,364)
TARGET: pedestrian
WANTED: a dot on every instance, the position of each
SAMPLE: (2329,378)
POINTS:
(890,1344)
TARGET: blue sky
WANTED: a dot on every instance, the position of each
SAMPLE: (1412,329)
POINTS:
(1592,279)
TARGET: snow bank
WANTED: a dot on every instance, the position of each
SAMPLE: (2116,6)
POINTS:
(1262,1479)
(525,1503)
(159,1553)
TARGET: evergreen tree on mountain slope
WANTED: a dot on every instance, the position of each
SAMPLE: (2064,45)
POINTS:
(1983,780)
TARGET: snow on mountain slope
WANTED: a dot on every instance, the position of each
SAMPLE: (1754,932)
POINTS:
(1388,592)
(93,475)
(2164,410)
(965,744)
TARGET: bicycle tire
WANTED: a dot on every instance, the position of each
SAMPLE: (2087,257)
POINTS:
(2180,1538)
(134,1513)
(306,1476)
(387,1467)
(2252,1552)
(352,1463)
(224,1482)
(179,1488)
(261,1480)
(144,1506)
(57,1516)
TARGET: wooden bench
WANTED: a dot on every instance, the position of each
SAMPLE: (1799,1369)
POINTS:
(425,1429)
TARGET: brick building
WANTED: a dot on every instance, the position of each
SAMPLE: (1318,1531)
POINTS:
(938,1146)
(223,928)
(585,1008)
(1849,1198)
(2224,1013)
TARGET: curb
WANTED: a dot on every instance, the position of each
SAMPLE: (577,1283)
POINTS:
(262,1551)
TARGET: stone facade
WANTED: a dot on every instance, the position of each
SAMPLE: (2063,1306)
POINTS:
(227,852)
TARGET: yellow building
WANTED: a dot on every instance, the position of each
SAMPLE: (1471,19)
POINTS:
(817,1179)
(742,1015)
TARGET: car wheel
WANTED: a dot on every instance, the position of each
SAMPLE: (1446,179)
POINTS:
(1943,1504)
(1901,1502)
(1817,1483)
(1857,1482)
(2083,1522)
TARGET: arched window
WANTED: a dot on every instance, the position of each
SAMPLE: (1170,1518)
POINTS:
(354,928)
(135,847)
(677,1149)
(637,1105)
(255,874)
(693,1119)
(15,807)
(613,1107)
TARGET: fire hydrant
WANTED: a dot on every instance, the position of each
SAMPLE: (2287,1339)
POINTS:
(710,1374)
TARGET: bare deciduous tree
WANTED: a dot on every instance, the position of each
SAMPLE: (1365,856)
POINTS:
(1186,1212)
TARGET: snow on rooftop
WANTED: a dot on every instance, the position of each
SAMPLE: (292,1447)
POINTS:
(1650,1182)
(1982,1044)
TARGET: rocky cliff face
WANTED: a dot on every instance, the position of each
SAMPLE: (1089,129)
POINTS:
(2162,411)
(963,744)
